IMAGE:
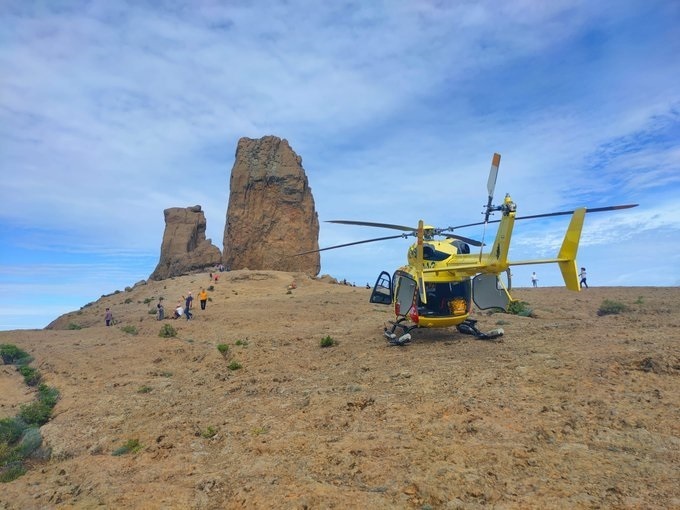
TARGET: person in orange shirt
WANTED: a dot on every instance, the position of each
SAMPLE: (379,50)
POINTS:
(203,298)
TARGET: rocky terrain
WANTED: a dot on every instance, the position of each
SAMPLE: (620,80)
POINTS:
(569,410)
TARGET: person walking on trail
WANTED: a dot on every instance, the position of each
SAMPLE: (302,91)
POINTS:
(203,298)
(187,306)
(582,275)
(160,311)
(108,317)
(534,279)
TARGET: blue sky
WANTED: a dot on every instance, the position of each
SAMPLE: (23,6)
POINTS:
(111,112)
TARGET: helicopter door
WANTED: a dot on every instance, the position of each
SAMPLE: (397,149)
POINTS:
(382,290)
(488,292)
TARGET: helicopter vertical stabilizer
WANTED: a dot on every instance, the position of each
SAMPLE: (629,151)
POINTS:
(567,255)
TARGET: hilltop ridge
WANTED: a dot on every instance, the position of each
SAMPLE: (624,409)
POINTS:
(569,410)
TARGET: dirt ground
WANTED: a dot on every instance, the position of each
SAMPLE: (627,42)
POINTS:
(569,410)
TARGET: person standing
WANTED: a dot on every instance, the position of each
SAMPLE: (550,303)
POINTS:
(187,306)
(108,317)
(203,298)
(160,311)
(534,279)
(582,275)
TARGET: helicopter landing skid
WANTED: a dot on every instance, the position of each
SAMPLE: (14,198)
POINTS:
(469,327)
(402,340)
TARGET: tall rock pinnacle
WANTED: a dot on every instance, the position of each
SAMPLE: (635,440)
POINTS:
(271,213)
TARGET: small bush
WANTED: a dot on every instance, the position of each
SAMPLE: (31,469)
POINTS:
(609,307)
(48,395)
(327,341)
(148,300)
(12,354)
(520,308)
(127,300)
(11,471)
(167,331)
(234,365)
(145,389)
(31,375)
(11,430)
(73,325)
(130,330)
(209,432)
(639,300)
(30,442)
(130,446)
(243,343)
(35,413)
(224,349)
(211,288)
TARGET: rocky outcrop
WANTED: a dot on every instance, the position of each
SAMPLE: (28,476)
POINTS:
(185,248)
(271,213)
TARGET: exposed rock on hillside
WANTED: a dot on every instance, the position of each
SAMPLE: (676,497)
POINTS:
(271,213)
(185,247)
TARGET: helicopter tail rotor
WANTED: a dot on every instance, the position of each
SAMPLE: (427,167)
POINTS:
(491,184)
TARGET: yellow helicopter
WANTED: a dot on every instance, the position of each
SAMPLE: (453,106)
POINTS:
(442,278)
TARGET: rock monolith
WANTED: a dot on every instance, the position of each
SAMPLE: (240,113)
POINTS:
(185,248)
(271,215)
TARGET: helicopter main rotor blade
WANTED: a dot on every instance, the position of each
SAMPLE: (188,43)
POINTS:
(468,240)
(352,244)
(546,215)
(373,224)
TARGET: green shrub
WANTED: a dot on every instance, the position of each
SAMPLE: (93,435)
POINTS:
(148,300)
(11,471)
(127,300)
(145,389)
(12,354)
(30,442)
(130,330)
(31,375)
(73,325)
(224,349)
(48,395)
(167,331)
(609,307)
(520,308)
(234,365)
(35,413)
(243,343)
(11,430)
(327,341)
(211,288)
(209,432)
(130,446)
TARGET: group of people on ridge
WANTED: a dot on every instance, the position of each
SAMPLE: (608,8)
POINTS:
(185,308)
